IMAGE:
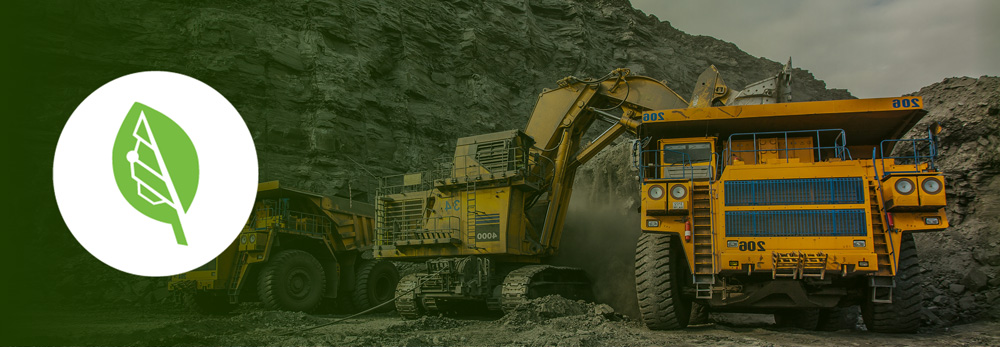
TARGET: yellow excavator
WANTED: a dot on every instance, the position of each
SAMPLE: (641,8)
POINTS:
(750,203)
(485,221)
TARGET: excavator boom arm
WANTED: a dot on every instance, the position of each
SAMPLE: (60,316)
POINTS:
(562,116)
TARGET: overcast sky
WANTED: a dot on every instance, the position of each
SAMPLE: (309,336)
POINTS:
(873,48)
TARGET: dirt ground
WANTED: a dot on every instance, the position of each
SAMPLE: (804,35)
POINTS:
(550,321)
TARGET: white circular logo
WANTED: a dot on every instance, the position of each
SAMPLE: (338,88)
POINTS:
(155,173)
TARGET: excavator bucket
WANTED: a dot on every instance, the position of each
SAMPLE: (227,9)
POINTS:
(710,90)
(769,91)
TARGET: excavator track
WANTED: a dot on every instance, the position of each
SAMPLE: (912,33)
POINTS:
(534,281)
(407,303)
(430,305)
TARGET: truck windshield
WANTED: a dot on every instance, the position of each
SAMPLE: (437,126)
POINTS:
(674,154)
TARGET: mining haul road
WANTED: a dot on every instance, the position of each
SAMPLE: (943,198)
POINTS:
(548,321)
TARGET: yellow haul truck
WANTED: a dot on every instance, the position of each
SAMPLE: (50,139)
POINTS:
(297,251)
(796,209)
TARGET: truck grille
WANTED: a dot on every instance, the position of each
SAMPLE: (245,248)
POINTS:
(796,223)
(807,191)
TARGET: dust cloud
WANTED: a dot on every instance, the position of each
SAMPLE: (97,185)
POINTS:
(599,236)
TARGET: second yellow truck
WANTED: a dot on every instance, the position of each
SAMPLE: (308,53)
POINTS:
(299,251)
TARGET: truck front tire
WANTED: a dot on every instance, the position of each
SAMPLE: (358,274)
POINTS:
(659,268)
(902,315)
(292,280)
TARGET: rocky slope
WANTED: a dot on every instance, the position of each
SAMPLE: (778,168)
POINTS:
(962,263)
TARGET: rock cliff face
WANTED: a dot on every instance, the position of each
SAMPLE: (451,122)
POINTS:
(327,87)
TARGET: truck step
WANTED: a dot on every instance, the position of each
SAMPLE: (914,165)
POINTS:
(881,288)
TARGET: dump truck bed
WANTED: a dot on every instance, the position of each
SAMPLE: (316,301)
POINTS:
(865,121)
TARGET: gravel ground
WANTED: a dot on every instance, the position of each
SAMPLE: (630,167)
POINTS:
(549,321)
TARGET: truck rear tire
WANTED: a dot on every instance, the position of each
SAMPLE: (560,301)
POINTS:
(837,318)
(699,314)
(292,280)
(375,284)
(903,314)
(806,319)
(211,303)
(659,268)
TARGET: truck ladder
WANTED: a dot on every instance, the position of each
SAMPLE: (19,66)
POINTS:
(785,264)
(235,278)
(704,257)
(814,265)
(470,213)
(798,265)
(380,215)
(883,282)
(236,282)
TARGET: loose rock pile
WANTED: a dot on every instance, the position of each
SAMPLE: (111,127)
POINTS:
(546,308)
(961,264)
(426,323)
(557,321)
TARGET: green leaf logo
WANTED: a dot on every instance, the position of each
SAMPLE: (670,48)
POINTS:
(156,167)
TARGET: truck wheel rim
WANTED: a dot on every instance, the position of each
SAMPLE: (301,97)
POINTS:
(298,283)
(383,289)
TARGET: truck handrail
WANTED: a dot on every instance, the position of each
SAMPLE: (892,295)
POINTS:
(839,144)
(916,157)
(519,163)
(415,229)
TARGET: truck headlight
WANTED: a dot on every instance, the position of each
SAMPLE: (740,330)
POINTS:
(652,223)
(655,192)
(253,238)
(678,191)
(243,239)
(859,243)
(904,186)
(931,185)
(932,220)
